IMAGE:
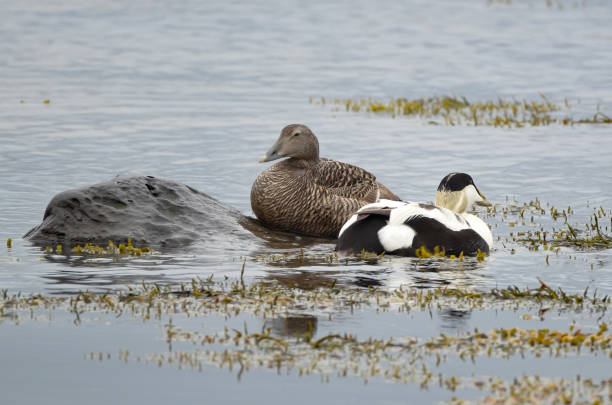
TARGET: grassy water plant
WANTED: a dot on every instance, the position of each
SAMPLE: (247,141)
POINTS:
(453,110)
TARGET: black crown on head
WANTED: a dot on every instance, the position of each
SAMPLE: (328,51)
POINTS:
(455,182)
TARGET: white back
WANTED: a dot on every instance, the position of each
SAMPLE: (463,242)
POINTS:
(380,204)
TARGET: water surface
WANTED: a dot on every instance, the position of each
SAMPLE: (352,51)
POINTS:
(198,91)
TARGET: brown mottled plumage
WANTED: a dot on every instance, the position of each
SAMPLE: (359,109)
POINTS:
(307,194)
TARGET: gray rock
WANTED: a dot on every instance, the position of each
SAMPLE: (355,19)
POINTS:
(149,210)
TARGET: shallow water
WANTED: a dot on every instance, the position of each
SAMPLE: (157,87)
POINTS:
(198,91)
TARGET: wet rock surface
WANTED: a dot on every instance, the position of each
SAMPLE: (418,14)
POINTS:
(147,209)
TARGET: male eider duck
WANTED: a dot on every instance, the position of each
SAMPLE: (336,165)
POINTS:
(308,194)
(400,228)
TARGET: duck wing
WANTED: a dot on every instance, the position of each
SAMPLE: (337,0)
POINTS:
(382,211)
(345,180)
(360,232)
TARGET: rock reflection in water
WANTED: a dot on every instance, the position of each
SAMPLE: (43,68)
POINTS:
(63,281)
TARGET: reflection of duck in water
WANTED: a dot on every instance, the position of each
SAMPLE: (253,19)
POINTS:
(292,326)
(401,228)
(275,239)
(308,194)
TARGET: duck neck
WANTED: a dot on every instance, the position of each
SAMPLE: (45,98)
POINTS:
(453,200)
(302,163)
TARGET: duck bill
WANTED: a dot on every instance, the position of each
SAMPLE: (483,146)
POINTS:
(271,154)
(484,202)
(264,158)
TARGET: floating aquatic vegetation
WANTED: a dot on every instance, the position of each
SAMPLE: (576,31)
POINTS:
(370,360)
(229,298)
(303,258)
(548,228)
(403,359)
(424,253)
(452,110)
(297,259)
(504,342)
(400,359)
(536,389)
(112,249)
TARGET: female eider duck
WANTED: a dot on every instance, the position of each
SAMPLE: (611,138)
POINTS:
(308,194)
(400,228)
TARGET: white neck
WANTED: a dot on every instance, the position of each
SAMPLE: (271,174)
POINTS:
(453,200)
(458,201)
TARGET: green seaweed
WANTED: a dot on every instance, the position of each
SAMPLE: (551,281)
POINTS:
(452,110)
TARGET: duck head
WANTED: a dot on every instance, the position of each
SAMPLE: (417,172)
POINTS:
(295,141)
(458,193)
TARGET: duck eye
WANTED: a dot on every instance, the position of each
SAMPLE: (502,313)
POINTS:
(296,134)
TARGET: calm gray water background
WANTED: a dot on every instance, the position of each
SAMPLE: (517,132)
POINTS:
(197,91)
